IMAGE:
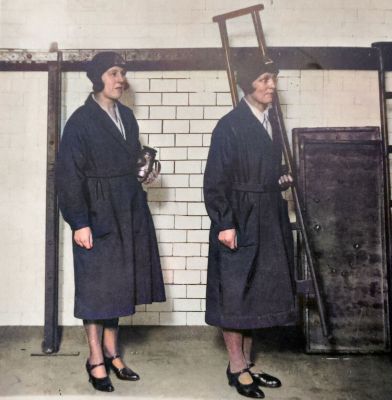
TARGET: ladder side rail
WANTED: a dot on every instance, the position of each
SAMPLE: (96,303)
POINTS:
(259,32)
(227,53)
(298,203)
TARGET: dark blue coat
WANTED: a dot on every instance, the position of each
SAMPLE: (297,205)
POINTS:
(251,287)
(97,187)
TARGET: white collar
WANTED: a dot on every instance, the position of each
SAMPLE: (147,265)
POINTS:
(260,115)
(117,121)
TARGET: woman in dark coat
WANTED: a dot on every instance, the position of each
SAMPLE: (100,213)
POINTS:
(116,258)
(249,283)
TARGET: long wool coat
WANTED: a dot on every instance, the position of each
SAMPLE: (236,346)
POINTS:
(97,187)
(251,287)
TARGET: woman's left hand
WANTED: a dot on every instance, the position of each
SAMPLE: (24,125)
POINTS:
(152,176)
(285,181)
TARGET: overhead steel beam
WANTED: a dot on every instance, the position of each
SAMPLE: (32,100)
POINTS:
(186,59)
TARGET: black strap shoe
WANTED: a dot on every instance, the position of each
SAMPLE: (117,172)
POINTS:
(102,384)
(248,390)
(125,374)
(263,379)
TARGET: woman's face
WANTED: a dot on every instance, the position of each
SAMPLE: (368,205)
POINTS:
(264,89)
(114,83)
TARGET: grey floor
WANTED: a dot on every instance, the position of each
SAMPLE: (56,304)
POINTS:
(185,363)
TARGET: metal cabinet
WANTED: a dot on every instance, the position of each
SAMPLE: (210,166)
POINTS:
(340,175)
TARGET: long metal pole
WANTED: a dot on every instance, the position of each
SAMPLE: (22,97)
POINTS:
(50,343)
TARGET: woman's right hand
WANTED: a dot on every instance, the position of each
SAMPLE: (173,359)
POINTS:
(84,238)
(228,238)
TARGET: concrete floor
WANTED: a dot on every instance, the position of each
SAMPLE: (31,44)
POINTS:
(186,363)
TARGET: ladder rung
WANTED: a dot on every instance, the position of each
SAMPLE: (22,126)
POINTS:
(388,95)
(238,13)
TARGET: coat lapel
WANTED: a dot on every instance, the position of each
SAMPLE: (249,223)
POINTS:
(253,123)
(108,125)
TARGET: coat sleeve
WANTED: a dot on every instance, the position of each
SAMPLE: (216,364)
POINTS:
(132,128)
(135,128)
(218,177)
(70,179)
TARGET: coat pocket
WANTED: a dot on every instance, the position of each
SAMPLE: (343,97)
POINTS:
(247,225)
(235,268)
(100,225)
(100,209)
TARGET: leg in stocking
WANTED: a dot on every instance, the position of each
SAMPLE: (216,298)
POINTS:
(110,341)
(259,377)
(234,343)
(94,337)
(247,346)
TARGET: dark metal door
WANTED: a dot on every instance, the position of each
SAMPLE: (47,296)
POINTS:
(340,173)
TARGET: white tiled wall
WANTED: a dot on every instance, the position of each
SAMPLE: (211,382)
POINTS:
(23,111)
(177,112)
(188,23)
(308,98)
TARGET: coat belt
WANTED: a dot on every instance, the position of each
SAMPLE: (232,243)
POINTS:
(255,187)
(109,176)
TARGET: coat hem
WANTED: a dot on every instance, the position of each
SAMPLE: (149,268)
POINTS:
(286,318)
(123,313)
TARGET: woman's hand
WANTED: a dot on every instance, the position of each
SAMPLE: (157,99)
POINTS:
(285,181)
(152,176)
(228,238)
(84,238)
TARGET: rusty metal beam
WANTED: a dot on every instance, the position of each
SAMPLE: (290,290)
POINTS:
(183,59)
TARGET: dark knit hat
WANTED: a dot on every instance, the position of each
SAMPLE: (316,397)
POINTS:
(99,64)
(247,72)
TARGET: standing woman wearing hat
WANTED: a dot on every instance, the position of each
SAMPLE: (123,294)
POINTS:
(116,259)
(249,283)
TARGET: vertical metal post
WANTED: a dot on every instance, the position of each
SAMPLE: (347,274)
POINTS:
(50,343)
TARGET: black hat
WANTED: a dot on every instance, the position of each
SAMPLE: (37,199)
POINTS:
(247,72)
(100,63)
